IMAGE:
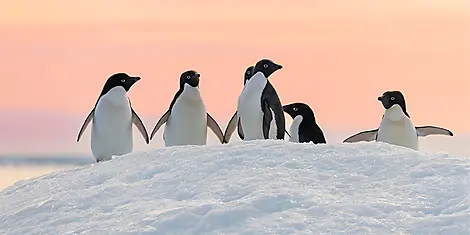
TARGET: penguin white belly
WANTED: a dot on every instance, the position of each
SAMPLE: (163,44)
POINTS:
(294,129)
(112,126)
(395,128)
(187,124)
(249,108)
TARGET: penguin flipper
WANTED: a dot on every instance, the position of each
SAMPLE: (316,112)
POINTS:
(274,103)
(432,130)
(85,124)
(230,127)
(212,124)
(288,134)
(267,118)
(240,130)
(362,136)
(322,139)
(140,125)
(160,122)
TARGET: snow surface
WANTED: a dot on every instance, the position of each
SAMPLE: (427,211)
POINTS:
(253,187)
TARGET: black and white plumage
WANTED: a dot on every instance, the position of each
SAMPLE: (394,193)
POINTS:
(186,119)
(259,104)
(112,119)
(234,122)
(396,126)
(304,127)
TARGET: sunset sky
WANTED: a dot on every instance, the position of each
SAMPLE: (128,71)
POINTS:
(338,56)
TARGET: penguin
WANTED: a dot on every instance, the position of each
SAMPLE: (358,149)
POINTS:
(259,104)
(396,126)
(304,128)
(235,120)
(186,119)
(112,119)
(248,74)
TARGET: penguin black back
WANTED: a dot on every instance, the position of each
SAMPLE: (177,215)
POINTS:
(270,99)
(308,128)
(389,98)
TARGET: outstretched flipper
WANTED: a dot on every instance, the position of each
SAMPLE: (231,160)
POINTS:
(432,130)
(212,124)
(85,124)
(232,124)
(140,125)
(370,135)
(160,122)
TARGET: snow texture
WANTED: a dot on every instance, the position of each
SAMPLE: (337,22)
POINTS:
(252,187)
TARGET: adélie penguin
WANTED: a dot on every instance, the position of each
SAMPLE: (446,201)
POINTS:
(235,120)
(259,104)
(396,126)
(186,119)
(248,74)
(112,119)
(304,127)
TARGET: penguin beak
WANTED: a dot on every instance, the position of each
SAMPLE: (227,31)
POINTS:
(132,80)
(194,81)
(279,66)
(385,102)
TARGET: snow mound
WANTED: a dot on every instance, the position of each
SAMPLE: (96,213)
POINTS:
(253,187)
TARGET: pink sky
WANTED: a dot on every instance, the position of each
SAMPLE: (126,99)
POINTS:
(338,56)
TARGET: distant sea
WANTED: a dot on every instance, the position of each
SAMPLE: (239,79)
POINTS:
(14,168)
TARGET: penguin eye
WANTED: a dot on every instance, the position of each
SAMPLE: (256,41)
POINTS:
(123,80)
(188,77)
(392,98)
(248,72)
(295,109)
(265,65)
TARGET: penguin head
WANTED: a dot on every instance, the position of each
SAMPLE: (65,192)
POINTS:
(296,109)
(248,74)
(190,77)
(390,98)
(267,67)
(119,79)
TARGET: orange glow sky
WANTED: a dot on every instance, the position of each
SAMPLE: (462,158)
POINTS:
(338,56)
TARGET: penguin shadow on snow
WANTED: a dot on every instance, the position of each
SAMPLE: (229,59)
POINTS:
(186,119)
(259,113)
(112,118)
(396,126)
